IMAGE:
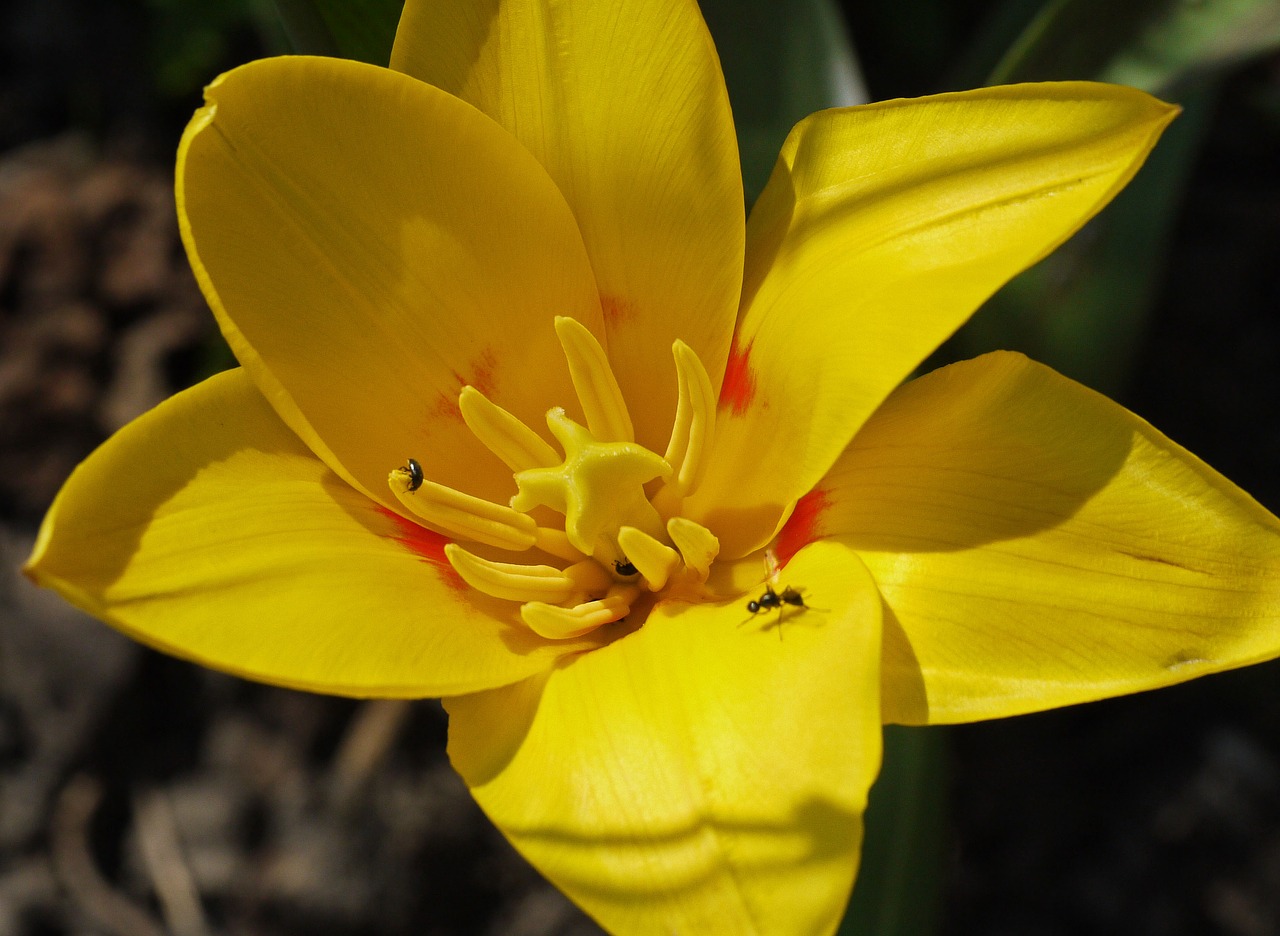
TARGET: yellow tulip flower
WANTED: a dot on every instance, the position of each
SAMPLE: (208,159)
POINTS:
(532,418)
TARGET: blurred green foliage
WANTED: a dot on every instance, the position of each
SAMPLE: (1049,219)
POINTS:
(1155,45)
(357,29)
(192,40)
(781,62)
(899,882)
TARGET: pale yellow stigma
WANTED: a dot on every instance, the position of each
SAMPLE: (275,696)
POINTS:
(598,487)
(617,542)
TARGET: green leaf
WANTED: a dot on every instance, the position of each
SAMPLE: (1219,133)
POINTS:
(1149,44)
(898,888)
(1083,309)
(189,41)
(782,61)
(1194,39)
(356,29)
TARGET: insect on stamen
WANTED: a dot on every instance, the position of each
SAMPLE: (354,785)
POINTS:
(416,476)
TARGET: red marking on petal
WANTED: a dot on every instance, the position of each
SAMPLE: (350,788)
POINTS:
(446,408)
(484,372)
(801,527)
(616,310)
(428,544)
(739,386)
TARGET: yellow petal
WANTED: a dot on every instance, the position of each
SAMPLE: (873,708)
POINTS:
(881,230)
(706,773)
(625,105)
(1038,545)
(370,245)
(208,530)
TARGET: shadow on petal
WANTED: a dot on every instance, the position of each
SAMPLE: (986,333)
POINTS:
(503,718)
(966,456)
(97,524)
(904,694)
(816,831)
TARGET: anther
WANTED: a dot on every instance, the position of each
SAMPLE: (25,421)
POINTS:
(593,379)
(510,581)
(462,515)
(695,421)
(556,543)
(553,623)
(515,582)
(655,560)
(698,546)
(518,446)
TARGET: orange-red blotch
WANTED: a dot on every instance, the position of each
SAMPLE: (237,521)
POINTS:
(481,374)
(428,544)
(484,372)
(801,527)
(447,407)
(616,310)
(739,387)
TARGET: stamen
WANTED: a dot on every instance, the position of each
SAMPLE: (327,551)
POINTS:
(463,515)
(655,560)
(698,546)
(554,623)
(515,582)
(518,446)
(556,542)
(695,421)
(593,379)
(508,580)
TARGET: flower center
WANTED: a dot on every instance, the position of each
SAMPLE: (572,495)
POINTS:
(622,537)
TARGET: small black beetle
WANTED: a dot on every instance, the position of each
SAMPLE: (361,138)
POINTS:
(415,474)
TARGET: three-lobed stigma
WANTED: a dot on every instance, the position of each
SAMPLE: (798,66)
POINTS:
(617,542)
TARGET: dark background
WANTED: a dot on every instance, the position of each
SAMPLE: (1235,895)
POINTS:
(142,795)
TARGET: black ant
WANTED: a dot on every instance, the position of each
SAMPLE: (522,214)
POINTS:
(772,599)
(775,599)
(622,567)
